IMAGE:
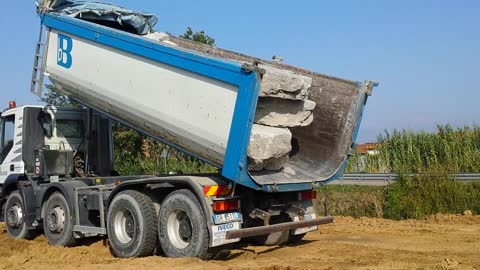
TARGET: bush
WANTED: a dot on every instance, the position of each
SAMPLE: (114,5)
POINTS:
(420,196)
(136,154)
(355,201)
(432,156)
(140,165)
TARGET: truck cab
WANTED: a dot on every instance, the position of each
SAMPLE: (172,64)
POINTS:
(45,142)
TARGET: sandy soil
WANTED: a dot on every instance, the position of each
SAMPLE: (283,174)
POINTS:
(440,242)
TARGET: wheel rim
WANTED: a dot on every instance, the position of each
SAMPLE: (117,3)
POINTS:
(125,227)
(15,216)
(56,220)
(179,228)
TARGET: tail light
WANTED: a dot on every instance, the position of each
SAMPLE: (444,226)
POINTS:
(307,195)
(224,206)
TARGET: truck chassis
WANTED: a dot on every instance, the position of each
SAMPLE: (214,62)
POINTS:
(136,211)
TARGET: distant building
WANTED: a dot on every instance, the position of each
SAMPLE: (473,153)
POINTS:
(368,149)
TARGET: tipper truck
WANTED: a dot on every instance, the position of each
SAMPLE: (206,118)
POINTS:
(57,174)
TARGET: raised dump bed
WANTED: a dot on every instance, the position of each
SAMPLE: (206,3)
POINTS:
(203,100)
(321,148)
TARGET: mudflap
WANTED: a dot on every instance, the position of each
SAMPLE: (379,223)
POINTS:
(219,234)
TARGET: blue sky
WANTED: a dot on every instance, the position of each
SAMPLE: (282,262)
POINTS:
(425,54)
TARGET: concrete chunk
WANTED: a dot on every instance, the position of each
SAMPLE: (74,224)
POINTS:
(276,112)
(269,147)
(272,164)
(275,164)
(283,83)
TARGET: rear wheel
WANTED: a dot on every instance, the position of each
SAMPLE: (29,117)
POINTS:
(132,225)
(276,238)
(15,217)
(182,227)
(57,223)
(294,239)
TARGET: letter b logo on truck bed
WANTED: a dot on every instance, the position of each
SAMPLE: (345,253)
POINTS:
(64,53)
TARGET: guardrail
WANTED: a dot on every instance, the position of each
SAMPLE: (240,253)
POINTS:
(384,179)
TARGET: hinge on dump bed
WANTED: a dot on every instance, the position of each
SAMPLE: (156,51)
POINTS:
(253,68)
(368,87)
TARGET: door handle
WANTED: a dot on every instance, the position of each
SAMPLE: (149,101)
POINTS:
(12,168)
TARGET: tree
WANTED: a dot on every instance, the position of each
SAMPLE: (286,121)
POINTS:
(54,96)
(199,37)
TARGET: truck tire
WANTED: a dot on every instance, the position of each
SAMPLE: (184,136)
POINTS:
(294,239)
(182,226)
(14,216)
(132,225)
(273,239)
(58,222)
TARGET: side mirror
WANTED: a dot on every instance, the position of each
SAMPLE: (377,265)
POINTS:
(46,121)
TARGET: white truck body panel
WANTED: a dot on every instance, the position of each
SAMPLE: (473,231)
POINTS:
(156,96)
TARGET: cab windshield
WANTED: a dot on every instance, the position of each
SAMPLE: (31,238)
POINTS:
(7,127)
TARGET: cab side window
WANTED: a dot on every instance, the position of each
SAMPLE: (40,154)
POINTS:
(7,136)
(67,128)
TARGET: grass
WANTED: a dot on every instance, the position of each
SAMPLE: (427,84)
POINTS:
(355,201)
(424,195)
(432,156)
(452,150)
(408,198)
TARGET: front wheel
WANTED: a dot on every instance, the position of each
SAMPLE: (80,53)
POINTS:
(58,223)
(182,226)
(15,217)
(132,225)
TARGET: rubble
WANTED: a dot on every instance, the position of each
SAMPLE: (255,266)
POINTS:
(282,104)
(272,164)
(276,112)
(284,84)
(269,147)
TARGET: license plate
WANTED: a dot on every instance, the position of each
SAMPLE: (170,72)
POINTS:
(226,218)
(219,234)
(307,229)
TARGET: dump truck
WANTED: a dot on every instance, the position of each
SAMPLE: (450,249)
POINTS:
(57,164)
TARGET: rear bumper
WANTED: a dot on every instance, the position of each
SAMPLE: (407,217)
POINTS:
(263,230)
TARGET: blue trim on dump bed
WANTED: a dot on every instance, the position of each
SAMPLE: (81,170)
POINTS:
(229,72)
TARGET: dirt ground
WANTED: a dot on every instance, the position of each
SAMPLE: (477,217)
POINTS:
(440,242)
